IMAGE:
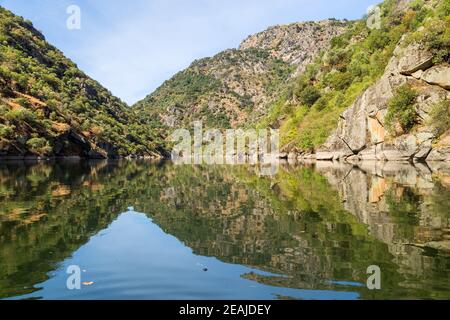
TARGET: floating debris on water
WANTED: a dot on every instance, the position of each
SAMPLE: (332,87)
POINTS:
(204,268)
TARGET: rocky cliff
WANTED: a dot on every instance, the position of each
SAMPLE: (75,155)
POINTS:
(335,90)
(362,133)
(234,88)
(377,94)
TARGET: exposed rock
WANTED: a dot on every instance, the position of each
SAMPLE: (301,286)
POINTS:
(439,154)
(418,74)
(429,96)
(324,156)
(376,130)
(438,75)
(353,158)
(372,153)
(402,5)
(241,82)
(441,151)
(284,41)
(414,58)
(361,132)
(439,245)
(354,132)
(292,155)
(422,154)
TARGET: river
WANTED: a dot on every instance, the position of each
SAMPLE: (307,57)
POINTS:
(156,230)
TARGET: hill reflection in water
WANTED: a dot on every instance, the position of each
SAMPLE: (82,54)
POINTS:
(311,231)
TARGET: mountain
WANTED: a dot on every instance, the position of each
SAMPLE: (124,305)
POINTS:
(396,101)
(48,107)
(335,90)
(312,110)
(234,87)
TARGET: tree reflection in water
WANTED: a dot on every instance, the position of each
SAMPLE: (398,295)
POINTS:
(319,225)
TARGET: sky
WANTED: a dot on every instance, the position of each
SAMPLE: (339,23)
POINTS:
(132,46)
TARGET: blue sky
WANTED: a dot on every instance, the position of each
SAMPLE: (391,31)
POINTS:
(132,46)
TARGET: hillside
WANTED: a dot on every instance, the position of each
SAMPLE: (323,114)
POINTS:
(234,87)
(333,88)
(385,89)
(48,107)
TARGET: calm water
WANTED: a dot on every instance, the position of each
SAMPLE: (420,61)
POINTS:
(141,230)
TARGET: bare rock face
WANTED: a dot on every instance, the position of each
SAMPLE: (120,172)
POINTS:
(414,59)
(361,133)
(297,43)
(415,146)
(441,152)
(438,75)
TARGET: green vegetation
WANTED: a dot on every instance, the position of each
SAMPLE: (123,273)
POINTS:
(309,96)
(308,110)
(43,94)
(207,90)
(440,117)
(291,224)
(401,109)
(39,146)
(435,35)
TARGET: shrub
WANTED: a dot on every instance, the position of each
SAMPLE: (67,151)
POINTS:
(39,146)
(309,95)
(19,115)
(338,80)
(321,104)
(6,131)
(401,108)
(23,102)
(440,117)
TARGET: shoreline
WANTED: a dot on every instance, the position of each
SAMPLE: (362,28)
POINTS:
(76,158)
(282,158)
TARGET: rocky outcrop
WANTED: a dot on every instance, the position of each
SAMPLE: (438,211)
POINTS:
(414,59)
(441,151)
(235,87)
(297,43)
(438,75)
(362,133)
(370,191)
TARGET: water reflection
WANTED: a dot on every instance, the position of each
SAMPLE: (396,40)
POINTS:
(319,226)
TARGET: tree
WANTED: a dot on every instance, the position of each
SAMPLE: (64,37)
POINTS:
(39,146)
(309,96)
(401,108)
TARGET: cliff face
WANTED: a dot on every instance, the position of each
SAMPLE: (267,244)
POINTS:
(297,44)
(337,90)
(377,94)
(48,107)
(362,132)
(234,88)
